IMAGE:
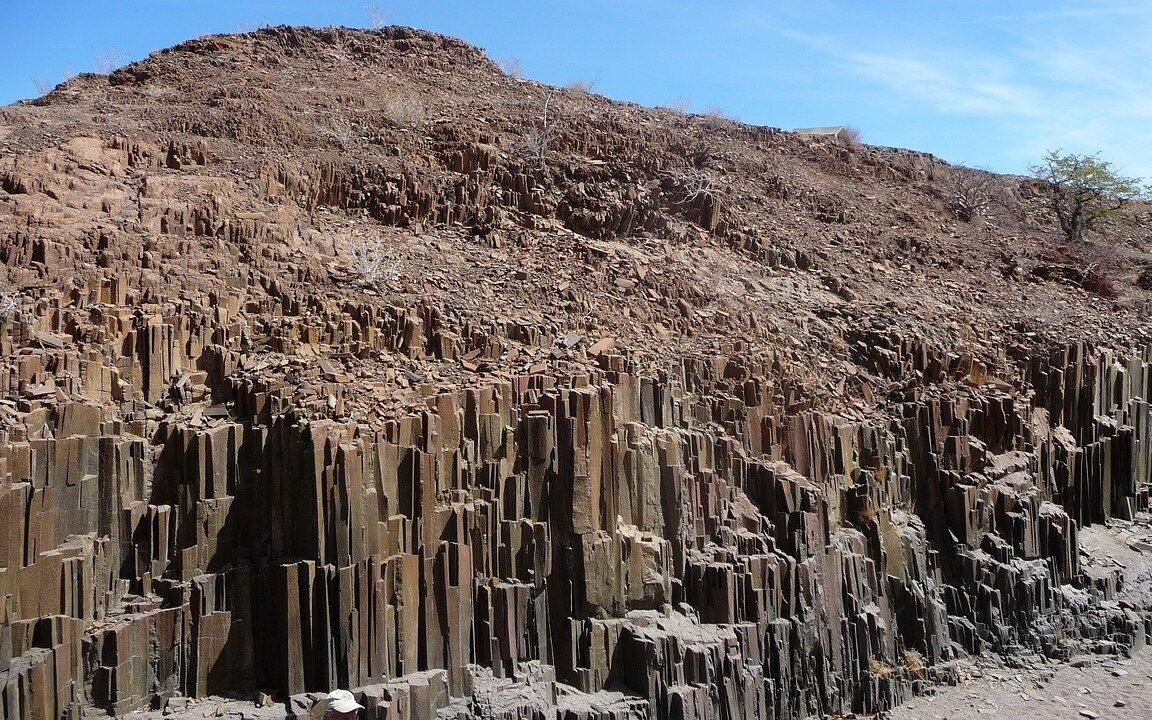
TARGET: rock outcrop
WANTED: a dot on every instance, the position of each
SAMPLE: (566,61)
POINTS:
(611,444)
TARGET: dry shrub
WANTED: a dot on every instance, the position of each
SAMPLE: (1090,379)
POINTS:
(1094,267)
(372,260)
(108,61)
(9,305)
(1101,264)
(536,140)
(970,192)
(715,116)
(693,185)
(342,132)
(582,87)
(403,110)
(511,66)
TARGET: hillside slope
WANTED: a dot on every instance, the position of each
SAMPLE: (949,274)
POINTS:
(366,365)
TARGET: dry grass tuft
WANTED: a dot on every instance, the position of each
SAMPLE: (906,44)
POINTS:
(881,668)
(914,664)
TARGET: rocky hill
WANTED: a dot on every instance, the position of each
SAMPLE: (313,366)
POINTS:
(337,358)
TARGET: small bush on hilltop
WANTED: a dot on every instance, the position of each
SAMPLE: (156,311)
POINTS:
(1085,191)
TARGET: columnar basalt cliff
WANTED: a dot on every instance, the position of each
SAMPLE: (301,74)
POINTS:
(345,370)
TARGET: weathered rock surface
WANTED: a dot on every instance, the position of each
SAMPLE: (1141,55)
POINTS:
(606,448)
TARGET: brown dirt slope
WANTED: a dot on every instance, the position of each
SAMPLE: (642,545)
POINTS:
(674,234)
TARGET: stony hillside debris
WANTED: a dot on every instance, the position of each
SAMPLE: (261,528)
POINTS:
(608,445)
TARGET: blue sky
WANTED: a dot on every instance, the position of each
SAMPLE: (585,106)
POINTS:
(988,83)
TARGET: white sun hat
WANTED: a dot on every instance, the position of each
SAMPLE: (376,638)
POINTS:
(341,701)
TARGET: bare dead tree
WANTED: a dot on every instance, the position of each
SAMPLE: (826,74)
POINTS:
(693,185)
(536,141)
(376,17)
(373,261)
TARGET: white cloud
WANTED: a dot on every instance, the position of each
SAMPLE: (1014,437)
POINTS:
(1074,77)
(1103,8)
(959,88)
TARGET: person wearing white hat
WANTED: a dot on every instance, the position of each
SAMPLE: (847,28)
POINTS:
(341,705)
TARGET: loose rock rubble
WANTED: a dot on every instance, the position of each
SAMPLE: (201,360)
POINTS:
(672,418)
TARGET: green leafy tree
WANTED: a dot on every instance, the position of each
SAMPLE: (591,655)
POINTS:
(1085,191)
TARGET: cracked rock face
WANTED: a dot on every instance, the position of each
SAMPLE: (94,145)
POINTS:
(316,377)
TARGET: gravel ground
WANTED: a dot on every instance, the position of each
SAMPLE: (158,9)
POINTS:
(1103,688)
